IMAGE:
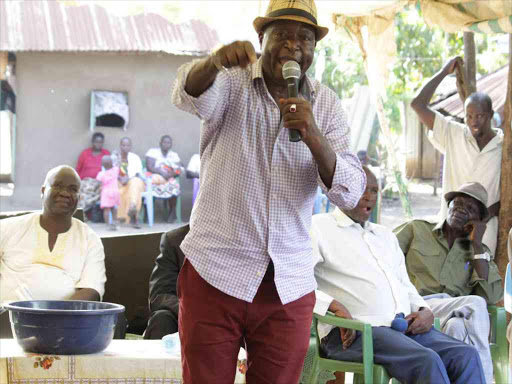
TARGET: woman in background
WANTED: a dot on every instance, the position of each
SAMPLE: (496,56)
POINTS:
(88,167)
(131,185)
(165,166)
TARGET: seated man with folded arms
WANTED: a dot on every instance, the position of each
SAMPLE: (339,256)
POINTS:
(163,285)
(361,274)
(453,270)
(50,255)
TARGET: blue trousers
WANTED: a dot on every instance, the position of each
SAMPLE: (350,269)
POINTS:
(431,357)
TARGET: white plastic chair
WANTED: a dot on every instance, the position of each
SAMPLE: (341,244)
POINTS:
(147,197)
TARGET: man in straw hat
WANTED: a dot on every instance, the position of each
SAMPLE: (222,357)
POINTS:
(248,275)
(454,271)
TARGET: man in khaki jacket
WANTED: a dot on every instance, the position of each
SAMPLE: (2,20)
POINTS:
(454,270)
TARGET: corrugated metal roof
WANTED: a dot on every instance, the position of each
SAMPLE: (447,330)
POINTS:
(493,84)
(52,26)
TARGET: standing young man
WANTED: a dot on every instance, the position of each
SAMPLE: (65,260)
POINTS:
(472,151)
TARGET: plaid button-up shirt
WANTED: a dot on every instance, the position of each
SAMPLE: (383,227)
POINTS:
(258,188)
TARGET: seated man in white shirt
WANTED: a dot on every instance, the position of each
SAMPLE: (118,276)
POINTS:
(51,255)
(361,274)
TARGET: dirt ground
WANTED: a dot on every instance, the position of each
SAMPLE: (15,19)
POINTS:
(424,205)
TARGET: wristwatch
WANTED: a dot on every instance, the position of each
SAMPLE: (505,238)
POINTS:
(482,256)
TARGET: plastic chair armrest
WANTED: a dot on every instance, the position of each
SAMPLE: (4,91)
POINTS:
(366,332)
(340,322)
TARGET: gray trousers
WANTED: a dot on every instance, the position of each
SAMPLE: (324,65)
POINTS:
(465,318)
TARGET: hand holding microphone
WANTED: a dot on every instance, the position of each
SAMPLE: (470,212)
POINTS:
(297,113)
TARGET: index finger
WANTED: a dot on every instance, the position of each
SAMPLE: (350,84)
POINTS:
(250,52)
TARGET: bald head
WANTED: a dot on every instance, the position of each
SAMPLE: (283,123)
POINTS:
(369,175)
(60,193)
(65,169)
(362,211)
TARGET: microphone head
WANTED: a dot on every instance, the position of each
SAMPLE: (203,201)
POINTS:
(291,69)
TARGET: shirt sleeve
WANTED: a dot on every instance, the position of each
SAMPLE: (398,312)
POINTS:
(323,300)
(510,246)
(445,131)
(194,164)
(93,275)
(151,153)
(349,180)
(414,297)
(162,283)
(134,165)
(209,106)
(492,288)
(405,234)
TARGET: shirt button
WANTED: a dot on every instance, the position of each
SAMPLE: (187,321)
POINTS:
(258,274)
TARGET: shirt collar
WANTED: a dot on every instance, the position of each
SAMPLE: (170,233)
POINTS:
(344,221)
(498,139)
(495,141)
(307,90)
(439,227)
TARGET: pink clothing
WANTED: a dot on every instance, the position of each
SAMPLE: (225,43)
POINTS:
(110,196)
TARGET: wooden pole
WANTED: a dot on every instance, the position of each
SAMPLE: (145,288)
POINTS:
(470,62)
(505,218)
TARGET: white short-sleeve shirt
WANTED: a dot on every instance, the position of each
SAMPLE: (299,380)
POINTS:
(464,163)
(194,165)
(171,158)
(76,261)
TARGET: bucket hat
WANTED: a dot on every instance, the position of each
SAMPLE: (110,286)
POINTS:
(296,10)
(474,190)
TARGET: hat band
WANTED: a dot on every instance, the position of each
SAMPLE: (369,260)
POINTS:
(293,12)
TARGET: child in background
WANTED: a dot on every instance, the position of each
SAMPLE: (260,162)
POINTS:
(110,197)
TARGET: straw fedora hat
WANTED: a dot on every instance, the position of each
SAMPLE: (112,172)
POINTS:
(475,190)
(297,10)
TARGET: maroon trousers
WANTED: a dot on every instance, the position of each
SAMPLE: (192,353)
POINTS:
(213,325)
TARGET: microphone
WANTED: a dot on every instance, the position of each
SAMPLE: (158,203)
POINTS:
(399,324)
(291,74)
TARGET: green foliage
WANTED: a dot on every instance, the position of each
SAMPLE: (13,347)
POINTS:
(421,52)
(344,68)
